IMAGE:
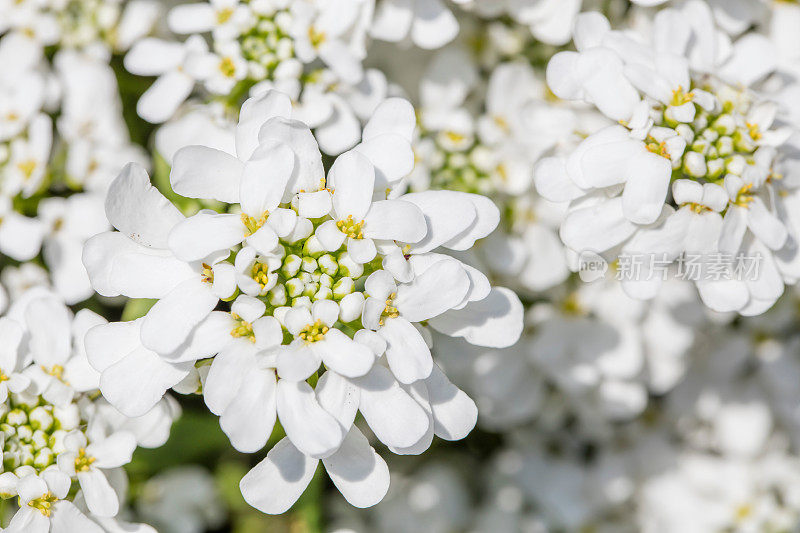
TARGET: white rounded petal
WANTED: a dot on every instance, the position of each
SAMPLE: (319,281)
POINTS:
(139,380)
(646,188)
(313,430)
(343,355)
(597,227)
(139,210)
(393,115)
(152,57)
(265,176)
(447,214)
(98,493)
(440,288)
(191,18)
(395,220)
(250,416)
(208,173)
(454,413)
(361,250)
(163,98)
(275,483)
(170,321)
(352,178)
(406,352)
(392,414)
(496,321)
(360,474)
(197,237)
(434,24)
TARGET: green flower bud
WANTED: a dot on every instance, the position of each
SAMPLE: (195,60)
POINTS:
(328,265)
(343,287)
(40,418)
(277,296)
(291,265)
(295,287)
(309,265)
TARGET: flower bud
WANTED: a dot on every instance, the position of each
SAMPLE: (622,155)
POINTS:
(40,418)
(291,265)
(350,307)
(328,265)
(348,267)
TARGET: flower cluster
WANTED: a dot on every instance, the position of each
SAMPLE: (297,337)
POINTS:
(563,232)
(62,444)
(321,271)
(696,164)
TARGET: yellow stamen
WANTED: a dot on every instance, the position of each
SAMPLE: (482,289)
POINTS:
(313,332)
(351,228)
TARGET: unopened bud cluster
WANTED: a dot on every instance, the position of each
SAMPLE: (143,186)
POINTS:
(33,432)
(719,141)
(267,43)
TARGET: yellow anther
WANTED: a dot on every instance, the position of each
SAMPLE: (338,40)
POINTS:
(12,116)
(744,197)
(27,167)
(316,37)
(313,332)
(389,310)
(501,122)
(351,228)
(43,503)
(754,131)
(658,148)
(242,328)
(224,15)
(680,97)
(697,207)
(455,137)
(227,67)
(260,273)
(57,371)
(83,462)
(254,224)
(207,275)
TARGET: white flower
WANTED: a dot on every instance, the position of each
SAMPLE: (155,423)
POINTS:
(225,18)
(88,460)
(171,62)
(43,508)
(320,29)
(428,24)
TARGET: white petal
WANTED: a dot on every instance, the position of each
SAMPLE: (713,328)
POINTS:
(203,234)
(139,380)
(646,188)
(454,413)
(352,178)
(441,287)
(275,483)
(434,24)
(138,209)
(255,112)
(163,98)
(100,496)
(265,176)
(597,227)
(406,352)
(312,429)
(447,215)
(170,321)
(495,321)
(343,355)
(395,220)
(248,420)
(203,172)
(360,474)
(392,414)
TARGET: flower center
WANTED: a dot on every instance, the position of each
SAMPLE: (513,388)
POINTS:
(316,37)
(227,67)
(207,274)
(313,332)
(254,224)
(351,228)
(242,328)
(83,462)
(27,168)
(224,15)
(43,503)
(680,97)
(744,197)
(389,310)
